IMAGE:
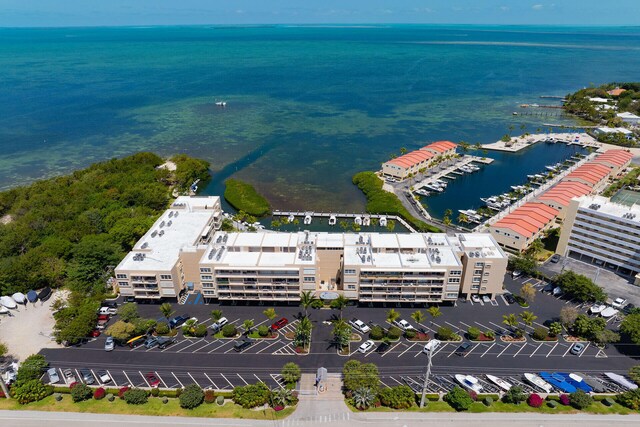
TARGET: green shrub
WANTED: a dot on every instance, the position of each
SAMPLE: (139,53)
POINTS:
(487,401)
(136,396)
(473,333)
(155,392)
(229,330)
(580,400)
(162,328)
(165,400)
(191,397)
(458,399)
(30,391)
(410,334)
(317,304)
(111,397)
(394,333)
(220,400)
(607,401)
(290,373)
(630,399)
(243,197)
(199,331)
(80,392)
(445,334)
(540,333)
(399,397)
(552,404)
(490,334)
(515,395)
(32,368)
(376,333)
(209,396)
(251,395)
(263,330)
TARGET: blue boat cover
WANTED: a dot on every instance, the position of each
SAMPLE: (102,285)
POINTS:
(32,296)
(577,384)
(558,382)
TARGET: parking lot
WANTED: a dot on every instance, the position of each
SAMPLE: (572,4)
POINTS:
(212,362)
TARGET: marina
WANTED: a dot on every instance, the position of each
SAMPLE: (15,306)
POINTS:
(521,142)
(364,220)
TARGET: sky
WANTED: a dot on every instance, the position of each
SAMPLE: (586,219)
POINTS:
(61,13)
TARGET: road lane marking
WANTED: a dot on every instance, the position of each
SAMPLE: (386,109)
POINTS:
(488,349)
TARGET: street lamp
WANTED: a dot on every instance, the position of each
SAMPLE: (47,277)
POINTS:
(429,349)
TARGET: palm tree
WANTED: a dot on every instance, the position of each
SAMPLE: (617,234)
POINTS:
(463,219)
(270,313)
(306,300)
(448,212)
(510,320)
(528,317)
(303,332)
(247,325)
(363,398)
(418,316)
(167,311)
(341,333)
(435,312)
(392,315)
(216,315)
(281,396)
(340,303)
(403,150)
(535,248)
(446,220)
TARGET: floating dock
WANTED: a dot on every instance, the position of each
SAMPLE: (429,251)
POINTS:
(344,216)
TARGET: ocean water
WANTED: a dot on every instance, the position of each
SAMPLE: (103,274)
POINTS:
(307,106)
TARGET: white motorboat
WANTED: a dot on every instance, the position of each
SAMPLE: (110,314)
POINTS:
(307,219)
(19,297)
(8,302)
(608,312)
(332,220)
(499,382)
(468,212)
(423,192)
(597,308)
(3,309)
(434,187)
(366,221)
(382,221)
(469,382)
(536,381)
(291,218)
(473,168)
(221,103)
(358,220)
(621,380)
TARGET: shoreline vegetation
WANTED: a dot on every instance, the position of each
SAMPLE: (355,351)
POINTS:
(383,202)
(65,232)
(243,197)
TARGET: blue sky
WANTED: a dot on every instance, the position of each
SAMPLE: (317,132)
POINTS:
(21,13)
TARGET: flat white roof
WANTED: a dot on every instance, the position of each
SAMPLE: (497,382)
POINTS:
(606,206)
(480,242)
(172,232)
(384,240)
(614,130)
(627,115)
(411,240)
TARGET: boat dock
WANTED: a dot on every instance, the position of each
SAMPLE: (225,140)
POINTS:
(338,216)
(532,195)
(451,172)
(518,143)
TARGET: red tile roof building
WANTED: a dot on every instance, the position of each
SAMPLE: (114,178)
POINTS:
(560,195)
(413,161)
(592,174)
(616,160)
(519,228)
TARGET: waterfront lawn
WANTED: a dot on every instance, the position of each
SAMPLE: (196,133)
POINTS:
(243,197)
(383,202)
(154,407)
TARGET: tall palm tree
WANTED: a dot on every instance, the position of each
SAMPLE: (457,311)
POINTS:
(392,315)
(418,316)
(167,311)
(463,219)
(270,313)
(247,325)
(340,303)
(341,333)
(303,332)
(435,312)
(510,320)
(216,315)
(306,300)
(528,317)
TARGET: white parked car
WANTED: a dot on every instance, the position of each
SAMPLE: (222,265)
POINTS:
(103,376)
(53,375)
(486,299)
(366,346)
(475,298)
(619,302)
(359,326)
(217,326)
(608,312)
(108,311)
(403,324)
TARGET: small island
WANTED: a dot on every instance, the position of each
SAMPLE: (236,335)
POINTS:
(244,198)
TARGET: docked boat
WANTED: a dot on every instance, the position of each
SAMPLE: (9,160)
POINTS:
(536,381)
(307,219)
(597,308)
(576,381)
(608,312)
(468,212)
(558,382)
(291,218)
(621,380)
(531,177)
(473,168)
(366,221)
(19,298)
(469,382)
(8,302)
(221,103)
(358,220)
(422,192)
(382,221)
(332,220)
(592,382)
(32,296)
(499,382)
(434,187)
(4,310)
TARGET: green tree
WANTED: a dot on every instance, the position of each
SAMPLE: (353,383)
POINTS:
(216,315)
(136,396)
(391,225)
(121,331)
(270,313)
(526,264)
(247,325)
(281,397)
(463,219)
(580,400)
(81,392)
(555,328)
(363,398)
(398,397)
(528,317)
(634,374)
(339,303)
(392,315)
(630,399)
(435,312)
(630,326)
(302,334)
(167,311)
(580,287)
(30,391)
(341,333)
(418,316)
(306,300)
(458,399)
(606,336)
(356,374)
(191,397)
(588,327)
(128,312)
(290,373)
(528,292)
(535,248)
(510,320)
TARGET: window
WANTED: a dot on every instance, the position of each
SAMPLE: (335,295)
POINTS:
(310,279)
(452,295)
(207,285)
(205,270)
(206,277)
(165,277)
(121,276)
(475,287)
(476,280)
(475,272)
(479,264)
(351,287)
(349,271)
(454,280)
(455,273)
(125,284)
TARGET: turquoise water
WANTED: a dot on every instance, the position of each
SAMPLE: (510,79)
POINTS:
(307,106)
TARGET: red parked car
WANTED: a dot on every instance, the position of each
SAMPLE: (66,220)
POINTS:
(94,334)
(152,379)
(279,324)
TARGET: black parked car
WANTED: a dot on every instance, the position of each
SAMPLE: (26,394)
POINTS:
(463,349)
(164,342)
(242,345)
(510,298)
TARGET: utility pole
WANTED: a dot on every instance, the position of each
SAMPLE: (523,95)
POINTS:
(430,347)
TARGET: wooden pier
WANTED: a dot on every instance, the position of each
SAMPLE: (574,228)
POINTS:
(344,216)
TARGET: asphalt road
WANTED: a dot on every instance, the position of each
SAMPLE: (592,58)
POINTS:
(210,362)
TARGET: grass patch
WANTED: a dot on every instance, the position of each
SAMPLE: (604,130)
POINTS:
(244,197)
(383,202)
(154,407)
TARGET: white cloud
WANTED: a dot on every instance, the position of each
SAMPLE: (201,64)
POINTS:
(537,6)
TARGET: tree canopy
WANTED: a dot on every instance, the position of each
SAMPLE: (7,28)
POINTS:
(579,286)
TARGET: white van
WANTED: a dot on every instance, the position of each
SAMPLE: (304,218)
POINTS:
(107,310)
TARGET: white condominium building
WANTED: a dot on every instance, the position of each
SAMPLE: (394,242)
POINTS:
(604,233)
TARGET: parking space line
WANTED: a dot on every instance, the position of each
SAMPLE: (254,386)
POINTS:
(245,383)
(393,378)
(418,353)
(173,346)
(505,349)
(568,348)
(95,376)
(471,351)
(174,376)
(258,378)
(494,303)
(383,383)
(204,346)
(497,326)
(210,380)
(160,378)
(487,350)
(426,327)
(273,376)
(190,345)
(145,380)
(272,344)
(128,379)
(553,348)
(503,299)
(521,348)
(585,349)
(456,328)
(483,326)
(112,379)
(452,351)
(194,380)
(537,348)
(391,349)
(409,348)
(440,349)
(225,378)
(465,324)
(226,341)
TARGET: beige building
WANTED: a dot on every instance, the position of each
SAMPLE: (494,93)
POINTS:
(164,262)
(412,162)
